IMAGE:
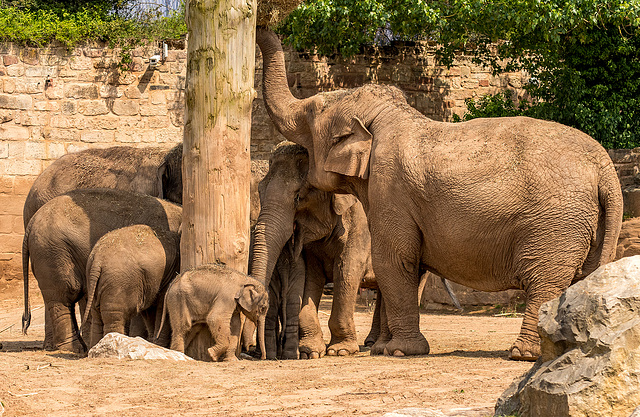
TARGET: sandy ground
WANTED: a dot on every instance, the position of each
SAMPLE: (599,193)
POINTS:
(465,373)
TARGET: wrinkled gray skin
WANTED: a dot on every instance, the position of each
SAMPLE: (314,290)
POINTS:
(128,271)
(491,204)
(60,237)
(332,229)
(152,171)
(215,295)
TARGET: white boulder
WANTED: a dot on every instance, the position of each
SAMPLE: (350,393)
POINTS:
(119,346)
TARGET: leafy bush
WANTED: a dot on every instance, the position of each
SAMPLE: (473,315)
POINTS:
(40,22)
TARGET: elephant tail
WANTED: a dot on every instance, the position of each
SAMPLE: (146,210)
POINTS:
(605,241)
(26,316)
(610,196)
(164,315)
(93,275)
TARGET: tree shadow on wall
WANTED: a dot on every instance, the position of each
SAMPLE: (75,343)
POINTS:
(410,66)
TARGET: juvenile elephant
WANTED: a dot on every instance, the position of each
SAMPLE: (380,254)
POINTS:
(60,237)
(127,271)
(216,295)
(333,231)
(492,204)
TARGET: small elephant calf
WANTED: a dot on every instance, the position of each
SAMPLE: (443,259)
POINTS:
(216,295)
(127,271)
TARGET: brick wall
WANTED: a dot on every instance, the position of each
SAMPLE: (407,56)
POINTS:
(54,101)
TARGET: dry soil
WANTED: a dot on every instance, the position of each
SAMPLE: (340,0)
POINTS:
(464,374)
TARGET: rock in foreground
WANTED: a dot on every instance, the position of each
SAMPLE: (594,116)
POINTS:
(590,362)
(119,346)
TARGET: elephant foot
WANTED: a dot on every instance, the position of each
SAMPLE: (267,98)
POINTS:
(73,345)
(290,354)
(370,341)
(312,348)
(216,354)
(417,345)
(523,351)
(378,348)
(344,348)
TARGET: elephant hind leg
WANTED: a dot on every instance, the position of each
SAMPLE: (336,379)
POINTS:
(538,291)
(66,334)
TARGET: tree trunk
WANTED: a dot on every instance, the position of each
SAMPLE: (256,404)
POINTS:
(216,160)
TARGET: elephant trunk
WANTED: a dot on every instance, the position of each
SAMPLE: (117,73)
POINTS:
(286,111)
(273,229)
(263,351)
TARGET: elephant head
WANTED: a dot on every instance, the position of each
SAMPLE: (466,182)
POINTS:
(253,300)
(291,210)
(170,175)
(335,126)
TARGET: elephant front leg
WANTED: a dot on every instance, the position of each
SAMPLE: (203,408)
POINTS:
(311,344)
(396,266)
(345,291)
(220,326)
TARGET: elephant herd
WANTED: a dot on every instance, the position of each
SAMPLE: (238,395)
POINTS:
(368,184)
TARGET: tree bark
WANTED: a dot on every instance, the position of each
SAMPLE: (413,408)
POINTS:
(216,160)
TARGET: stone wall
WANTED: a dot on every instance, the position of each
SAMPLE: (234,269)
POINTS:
(54,101)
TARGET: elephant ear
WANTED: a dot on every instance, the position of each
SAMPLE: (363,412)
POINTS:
(342,202)
(351,151)
(247,297)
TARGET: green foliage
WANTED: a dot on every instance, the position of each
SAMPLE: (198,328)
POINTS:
(582,54)
(40,22)
(497,105)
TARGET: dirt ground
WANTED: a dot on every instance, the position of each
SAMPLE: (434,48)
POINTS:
(465,373)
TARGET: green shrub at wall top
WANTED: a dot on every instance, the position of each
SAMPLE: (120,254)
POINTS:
(41,26)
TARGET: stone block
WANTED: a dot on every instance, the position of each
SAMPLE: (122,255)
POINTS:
(14,132)
(631,200)
(68,107)
(169,135)
(22,184)
(109,91)
(16,101)
(92,107)
(61,135)
(46,105)
(17,70)
(157,122)
(94,136)
(11,225)
(158,97)
(80,62)
(4,150)
(125,107)
(9,60)
(20,167)
(125,136)
(9,85)
(29,86)
(11,205)
(148,109)
(55,90)
(629,239)
(6,184)
(85,90)
(10,266)
(133,92)
(55,150)
(35,150)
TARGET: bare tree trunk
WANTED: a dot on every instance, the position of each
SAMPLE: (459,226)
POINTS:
(216,162)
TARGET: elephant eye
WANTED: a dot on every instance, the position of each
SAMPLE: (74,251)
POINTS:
(341,137)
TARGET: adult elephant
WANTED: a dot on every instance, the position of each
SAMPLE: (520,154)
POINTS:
(60,237)
(491,204)
(151,171)
(332,229)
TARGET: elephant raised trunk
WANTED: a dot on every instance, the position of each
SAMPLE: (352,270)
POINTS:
(286,111)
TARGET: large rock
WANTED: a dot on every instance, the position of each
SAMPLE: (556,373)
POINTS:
(590,362)
(119,346)
(629,240)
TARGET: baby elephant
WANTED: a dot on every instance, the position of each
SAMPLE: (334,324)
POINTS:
(126,271)
(215,295)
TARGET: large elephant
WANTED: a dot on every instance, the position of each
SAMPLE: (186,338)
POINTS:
(152,171)
(216,295)
(491,204)
(128,271)
(59,238)
(332,229)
